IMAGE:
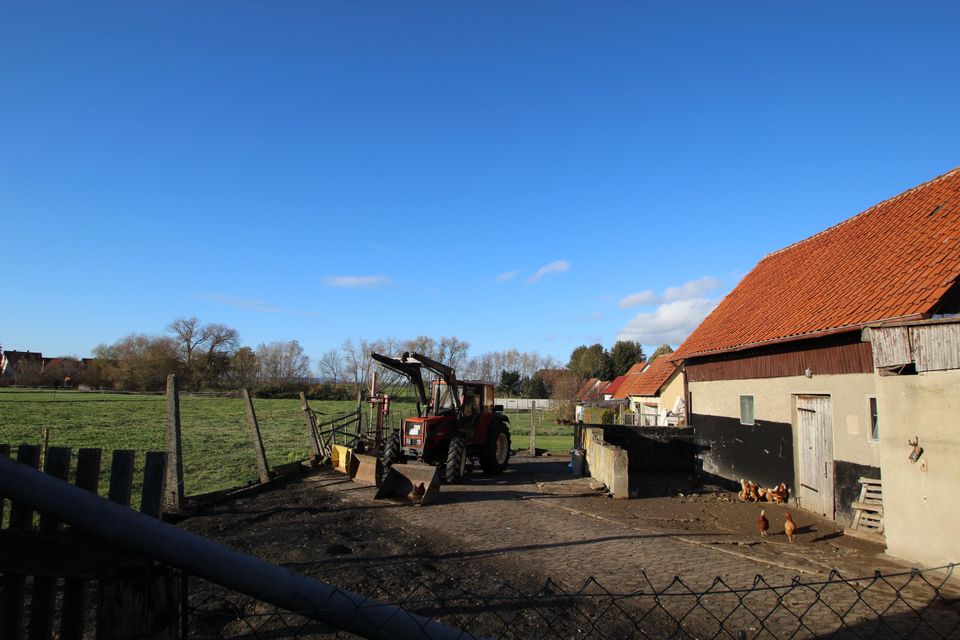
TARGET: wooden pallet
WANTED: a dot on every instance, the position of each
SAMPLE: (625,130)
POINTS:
(868,512)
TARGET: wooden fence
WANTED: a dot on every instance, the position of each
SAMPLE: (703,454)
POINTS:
(58,582)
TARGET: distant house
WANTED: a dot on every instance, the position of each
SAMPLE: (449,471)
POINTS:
(656,396)
(612,388)
(592,390)
(616,393)
(784,384)
(21,367)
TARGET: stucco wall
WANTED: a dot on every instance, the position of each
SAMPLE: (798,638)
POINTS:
(774,402)
(768,451)
(921,516)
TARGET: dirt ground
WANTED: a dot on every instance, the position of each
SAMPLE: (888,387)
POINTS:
(532,524)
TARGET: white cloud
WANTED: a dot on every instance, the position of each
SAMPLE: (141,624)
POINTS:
(250,304)
(558,266)
(508,275)
(691,290)
(634,299)
(671,323)
(356,281)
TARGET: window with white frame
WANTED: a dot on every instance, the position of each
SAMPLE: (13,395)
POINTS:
(874,421)
(746,410)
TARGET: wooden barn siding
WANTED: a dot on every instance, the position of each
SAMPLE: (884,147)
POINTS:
(936,347)
(833,355)
(891,347)
(933,347)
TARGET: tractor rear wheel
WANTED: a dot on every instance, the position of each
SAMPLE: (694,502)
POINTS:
(456,460)
(496,452)
(392,454)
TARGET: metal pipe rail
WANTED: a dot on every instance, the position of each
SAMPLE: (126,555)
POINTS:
(152,538)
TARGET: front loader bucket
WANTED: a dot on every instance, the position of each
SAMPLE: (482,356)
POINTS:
(365,469)
(416,483)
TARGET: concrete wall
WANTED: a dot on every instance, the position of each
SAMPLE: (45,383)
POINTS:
(765,452)
(607,463)
(920,501)
(654,448)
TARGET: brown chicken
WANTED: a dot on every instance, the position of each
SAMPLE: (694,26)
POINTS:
(763,524)
(789,526)
(779,494)
(417,494)
(744,490)
(754,492)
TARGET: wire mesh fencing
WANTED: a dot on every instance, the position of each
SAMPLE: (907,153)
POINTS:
(914,604)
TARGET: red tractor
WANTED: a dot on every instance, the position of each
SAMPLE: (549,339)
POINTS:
(457,423)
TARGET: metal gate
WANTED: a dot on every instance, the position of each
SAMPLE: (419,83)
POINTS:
(814,417)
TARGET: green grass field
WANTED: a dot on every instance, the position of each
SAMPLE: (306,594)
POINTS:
(216,438)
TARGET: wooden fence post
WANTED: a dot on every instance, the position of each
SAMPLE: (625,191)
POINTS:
(173,499)
(57,464)
(533,427)
(137,602)
(75,589)
(262,467)
(13,589)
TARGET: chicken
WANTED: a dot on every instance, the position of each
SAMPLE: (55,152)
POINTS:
(763,524)
(779,494)
(762,494)
(417,494)
(789,526)
(753,491)
(744,490)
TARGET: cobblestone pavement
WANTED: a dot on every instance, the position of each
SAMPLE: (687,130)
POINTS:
(539,516)
(540,523)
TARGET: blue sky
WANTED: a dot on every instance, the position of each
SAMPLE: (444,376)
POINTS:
(536,175)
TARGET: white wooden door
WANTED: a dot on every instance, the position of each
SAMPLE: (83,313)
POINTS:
(814,415)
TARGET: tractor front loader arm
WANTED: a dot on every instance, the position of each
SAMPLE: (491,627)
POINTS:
(410,370)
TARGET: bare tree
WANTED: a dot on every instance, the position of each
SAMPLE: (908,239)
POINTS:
(205,350)
(140,362)
(244,367)
(282,363)
(188,335)
(330,366)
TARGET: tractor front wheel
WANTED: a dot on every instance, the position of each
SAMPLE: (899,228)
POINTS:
(496,452)
(392,453)
(456,460)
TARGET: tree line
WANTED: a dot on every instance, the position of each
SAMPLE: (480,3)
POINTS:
(209,357)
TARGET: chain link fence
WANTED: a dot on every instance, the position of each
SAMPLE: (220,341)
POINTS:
(914,604)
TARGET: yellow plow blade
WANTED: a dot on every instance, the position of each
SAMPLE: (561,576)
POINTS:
(340,458)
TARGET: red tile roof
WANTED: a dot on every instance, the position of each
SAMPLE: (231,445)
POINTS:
(649,382)
(613,386)
(592,389)
(630,375)
(897,259)
(637,369)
